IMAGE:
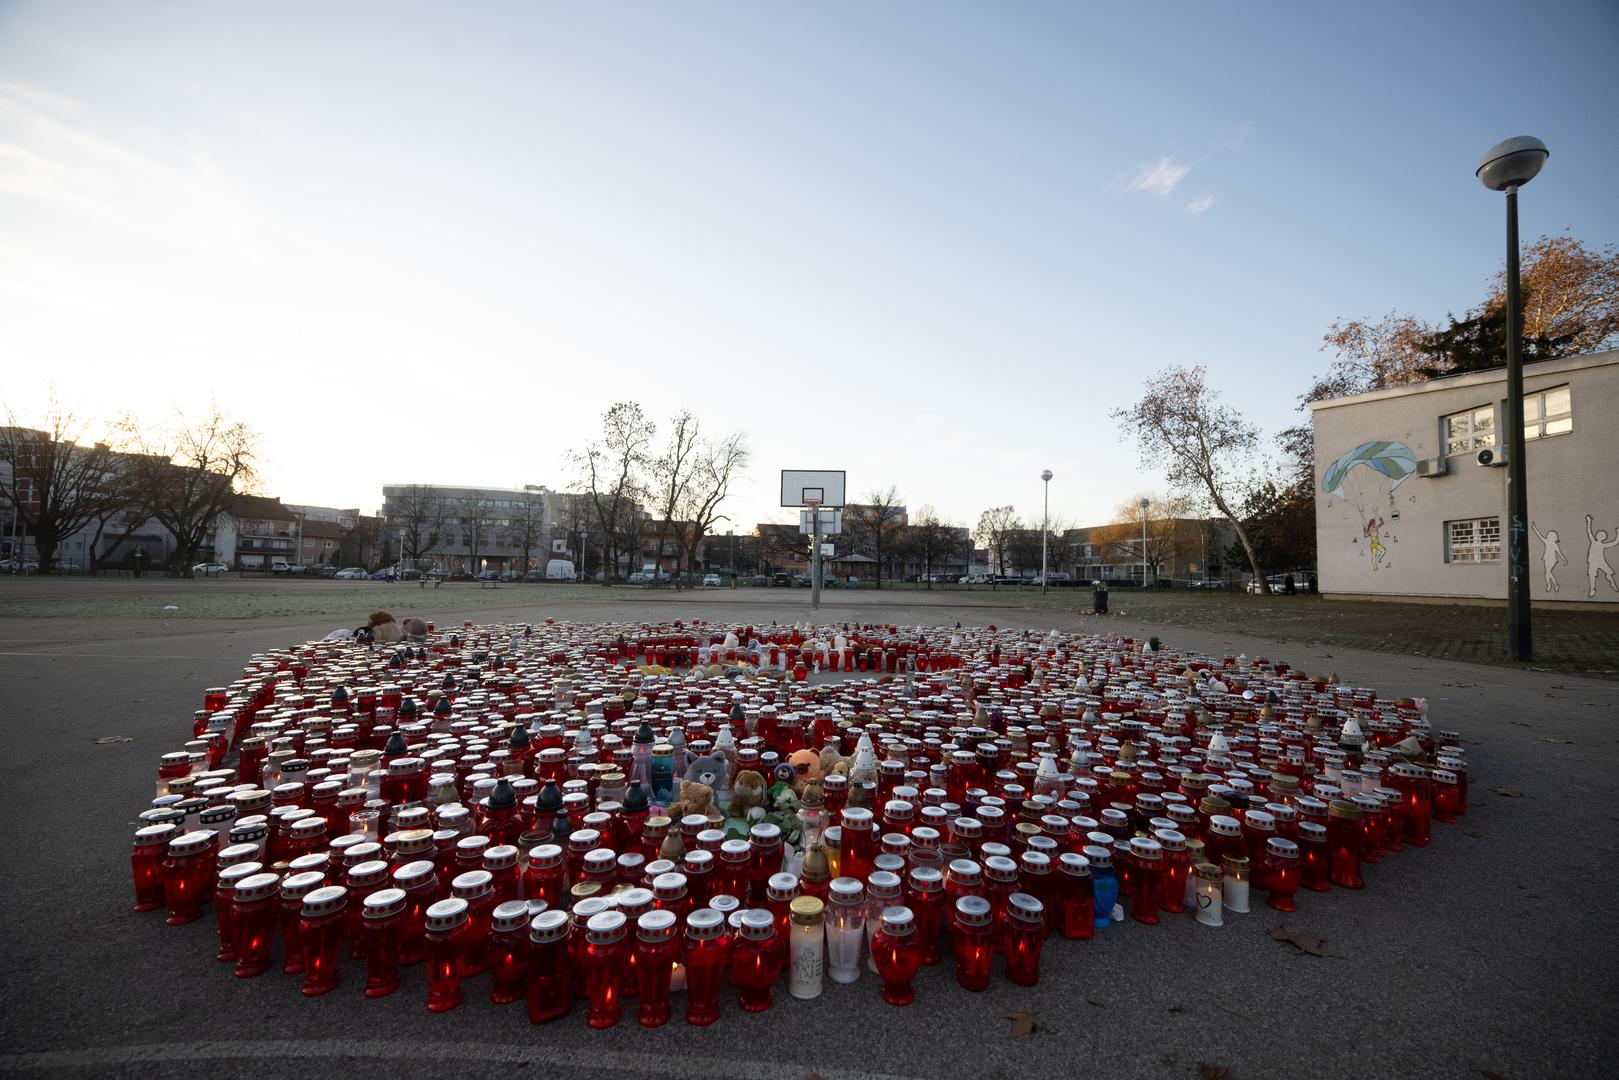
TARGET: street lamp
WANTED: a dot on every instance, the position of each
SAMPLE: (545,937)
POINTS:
(1143,504)
(1045,529)
(1506,167)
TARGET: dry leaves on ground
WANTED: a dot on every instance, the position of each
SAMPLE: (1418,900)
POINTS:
(1302,942)
(1213,1072)
(1023,1023)
(1508,793)
(105,739)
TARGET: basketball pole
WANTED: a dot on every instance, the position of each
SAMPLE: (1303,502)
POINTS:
(815,554)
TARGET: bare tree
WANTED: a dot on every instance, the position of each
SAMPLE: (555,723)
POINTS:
(1205,448)
(56,482)
(417,518)
(672,473)
(715,466)
(529,528)
(931,540)
(121,509)
(471,516)
(190,473)
(611,468)
(995,525)
(876,524)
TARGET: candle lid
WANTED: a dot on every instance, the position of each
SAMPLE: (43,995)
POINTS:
(724,903)
(898,921)
(446,914)
(883,884)
(414,873)
(758,924)
(806,910)
(973,911)
(656,926)
(472,884)
(510,915)
(548,926)
(384,903)
(927,879)
(1074,864)
(364,874)
(256,887)
(297,886)
(1022,906)
(325,901)
(234,873)
(847,890)
(705,924)
(499,857)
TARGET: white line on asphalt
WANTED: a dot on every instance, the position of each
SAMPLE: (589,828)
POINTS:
(610,1061)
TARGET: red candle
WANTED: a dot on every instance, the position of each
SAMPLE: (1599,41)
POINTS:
(657,943)
(187,875)
(1343,843)
(1147,880)
(293,890)
(973,942)
(508,951)
(1282,873)
(896,955)
(384,917)
(321,931)
(1075,915)
(477,888)
(604,967)
(858,844)
(224,909)
(550,965)
(446,934)
(1315,863)
(255,903)
(705,956)
(417,879)
(546,876)
(757,957)
(1025,932)
(924,893)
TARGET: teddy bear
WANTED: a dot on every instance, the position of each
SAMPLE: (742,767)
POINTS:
(694,798)
(707,770)
(747,794)
(806,768)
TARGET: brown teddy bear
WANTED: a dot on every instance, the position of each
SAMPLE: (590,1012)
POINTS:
(694,798)
(747,794)
(806,765)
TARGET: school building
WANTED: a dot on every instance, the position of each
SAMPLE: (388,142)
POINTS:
(1411,486)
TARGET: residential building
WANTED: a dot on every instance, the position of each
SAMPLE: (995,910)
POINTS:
(255,534)
(320,542)
(1411,486)
(470,529)
(1177,550)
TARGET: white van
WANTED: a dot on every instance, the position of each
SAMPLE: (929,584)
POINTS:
(559,570)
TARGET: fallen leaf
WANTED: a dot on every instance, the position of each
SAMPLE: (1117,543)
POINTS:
(1301,942)
(1093,1003)
(105,739)
(1023,1023)
(1463,684)
(1177,1008)
(1508,793)
(1563,742)
(1213,1072)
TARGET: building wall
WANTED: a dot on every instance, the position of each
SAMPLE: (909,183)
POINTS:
(1380,536)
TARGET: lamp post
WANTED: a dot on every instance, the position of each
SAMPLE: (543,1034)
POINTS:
(1506,167)
(1045,529)
(1143,504)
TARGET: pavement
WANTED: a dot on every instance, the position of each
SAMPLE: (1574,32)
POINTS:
(1487,954)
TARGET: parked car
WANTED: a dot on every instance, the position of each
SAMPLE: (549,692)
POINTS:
(351,573)
(760,581)
(435,572)
(387,573)
(851,582)
(511,575)
(781,580)
(711,579)
(1256,587)
(328,571)
(281,566)
(487,575)
(208,569)
(534,575)
(409,575)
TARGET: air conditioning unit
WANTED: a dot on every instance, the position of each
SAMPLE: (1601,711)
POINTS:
(1496,455)
(1430,467)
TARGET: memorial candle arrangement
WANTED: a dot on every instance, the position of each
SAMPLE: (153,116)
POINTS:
(569,814)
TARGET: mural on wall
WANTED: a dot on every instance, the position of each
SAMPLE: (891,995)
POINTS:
(1596,557)
(1366,479)
(1551,555)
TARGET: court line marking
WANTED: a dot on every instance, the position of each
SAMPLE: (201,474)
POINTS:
(664,1063)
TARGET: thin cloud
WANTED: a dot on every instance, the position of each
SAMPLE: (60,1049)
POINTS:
(1158,178)
(1200,204)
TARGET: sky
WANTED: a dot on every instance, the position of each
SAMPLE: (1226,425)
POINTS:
(931,244)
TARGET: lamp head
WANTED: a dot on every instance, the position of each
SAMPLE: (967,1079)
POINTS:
(1512,163)
(1046,476)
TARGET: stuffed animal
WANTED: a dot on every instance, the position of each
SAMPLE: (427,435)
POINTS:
(384,630)
(806,766)
(829,762)
(694,798)
(747,793)
(707,770)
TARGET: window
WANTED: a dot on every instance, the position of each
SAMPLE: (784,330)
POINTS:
(1547,413)
(1474,540)
(1472,430)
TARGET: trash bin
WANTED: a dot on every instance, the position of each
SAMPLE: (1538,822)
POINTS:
(1099,598)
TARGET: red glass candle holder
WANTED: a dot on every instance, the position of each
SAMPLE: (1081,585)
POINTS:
(550,967)
(1024,921)
(973,942)
(757,957)
(293,890)
(1315,859)
(146,864)
(508,952)
(380,927)
(858,843)
(1282,873)
(446,944)
(256,903)
(924,894)
(604,967)
(320,930)
(705,955)
(188,876)
(1075,914)
(657,944)
(896,955)
(1343,844)
(1146,881)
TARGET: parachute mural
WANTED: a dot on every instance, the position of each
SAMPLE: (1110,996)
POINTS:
(1365,477)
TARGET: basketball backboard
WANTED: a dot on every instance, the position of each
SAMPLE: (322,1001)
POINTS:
(802,487)
(831,522)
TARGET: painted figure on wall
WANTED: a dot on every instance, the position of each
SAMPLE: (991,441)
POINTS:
(1596,557)
(1551,555)
(1365,477)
